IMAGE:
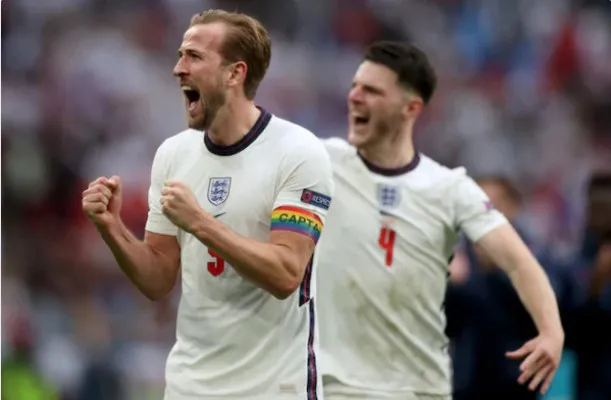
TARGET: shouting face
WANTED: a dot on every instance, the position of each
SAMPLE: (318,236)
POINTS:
(200,70)
(376,104)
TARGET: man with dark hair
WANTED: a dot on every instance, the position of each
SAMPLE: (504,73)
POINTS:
(236,204)
(588,319)
(410,64)
(391,230)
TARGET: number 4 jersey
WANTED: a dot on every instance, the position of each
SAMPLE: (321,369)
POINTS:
(384,258)
(234,340)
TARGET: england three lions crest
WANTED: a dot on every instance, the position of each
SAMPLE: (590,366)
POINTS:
(218,190)
(388,196)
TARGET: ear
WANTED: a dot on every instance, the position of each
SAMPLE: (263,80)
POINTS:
(237,73)
(413,106)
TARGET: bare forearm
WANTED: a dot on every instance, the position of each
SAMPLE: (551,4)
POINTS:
(507,250)
(265,264)
(150,271)
(537,295)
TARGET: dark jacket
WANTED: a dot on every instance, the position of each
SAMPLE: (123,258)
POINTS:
(485,319)
(587,323)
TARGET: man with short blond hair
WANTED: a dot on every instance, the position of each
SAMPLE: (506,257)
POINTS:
(247,40)
(237,203)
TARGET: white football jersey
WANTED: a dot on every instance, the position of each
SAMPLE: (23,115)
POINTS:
(234,340)
(384,266)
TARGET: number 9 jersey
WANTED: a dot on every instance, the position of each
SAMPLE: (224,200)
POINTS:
(384,267)
(234,340)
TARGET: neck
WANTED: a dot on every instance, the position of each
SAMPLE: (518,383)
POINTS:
(391,154)
(233,121)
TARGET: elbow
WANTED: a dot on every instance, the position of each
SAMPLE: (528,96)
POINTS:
(290,271)
(154,296)
(159,287)
(285,288)
(157,294)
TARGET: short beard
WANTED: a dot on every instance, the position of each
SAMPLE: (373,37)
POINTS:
(388,125)
(211,104)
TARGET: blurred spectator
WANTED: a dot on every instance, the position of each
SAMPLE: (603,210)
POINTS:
(588,320)
(87,90)
(20,380)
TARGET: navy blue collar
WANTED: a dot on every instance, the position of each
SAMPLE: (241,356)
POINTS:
(252,135)
(392,171)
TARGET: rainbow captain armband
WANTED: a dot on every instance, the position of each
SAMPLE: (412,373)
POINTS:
(295,219)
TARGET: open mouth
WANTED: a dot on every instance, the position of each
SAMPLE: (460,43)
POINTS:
(360,120)
(192,96)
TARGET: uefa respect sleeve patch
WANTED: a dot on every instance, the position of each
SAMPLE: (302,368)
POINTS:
(295,219)
(315,199)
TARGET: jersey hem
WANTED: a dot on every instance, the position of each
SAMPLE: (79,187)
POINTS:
(350,391)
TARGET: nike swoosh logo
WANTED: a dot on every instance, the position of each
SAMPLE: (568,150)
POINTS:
(218,215)
(387,214)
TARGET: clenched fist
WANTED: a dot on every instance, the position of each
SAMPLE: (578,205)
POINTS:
(102,200)
(179,204)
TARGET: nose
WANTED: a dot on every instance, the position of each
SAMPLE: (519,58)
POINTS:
(355,95)
(180,69)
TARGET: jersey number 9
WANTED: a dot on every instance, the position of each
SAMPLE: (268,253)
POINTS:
(217,266)
(387,243)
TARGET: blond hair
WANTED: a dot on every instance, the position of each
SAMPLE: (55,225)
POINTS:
(247,40)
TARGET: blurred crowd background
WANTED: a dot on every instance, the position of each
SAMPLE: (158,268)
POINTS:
(87,90)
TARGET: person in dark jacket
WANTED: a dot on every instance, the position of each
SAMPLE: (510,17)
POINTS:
(588,318)
(485,317)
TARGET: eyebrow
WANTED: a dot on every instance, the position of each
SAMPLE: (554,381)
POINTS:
(188,51)
(370,88)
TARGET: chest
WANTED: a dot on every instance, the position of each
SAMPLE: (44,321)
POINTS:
(387,240)
(387,237)
(238,190)
(377,211)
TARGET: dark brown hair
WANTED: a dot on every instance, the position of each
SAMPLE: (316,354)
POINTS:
(409,62)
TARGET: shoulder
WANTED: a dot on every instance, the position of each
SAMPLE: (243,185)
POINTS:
(438,175)
(294,139)
(336,144)
(175,145)
(289,132)
(339,149)
(441,184)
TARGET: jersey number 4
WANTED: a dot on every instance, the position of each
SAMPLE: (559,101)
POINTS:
(217,266)
(387,243)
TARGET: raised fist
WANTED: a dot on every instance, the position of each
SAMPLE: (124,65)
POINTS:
(180,205)
(102,200)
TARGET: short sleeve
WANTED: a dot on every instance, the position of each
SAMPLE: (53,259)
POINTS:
(306,189)
(157,222)
(475,214)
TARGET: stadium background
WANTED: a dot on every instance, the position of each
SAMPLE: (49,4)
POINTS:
(525,91)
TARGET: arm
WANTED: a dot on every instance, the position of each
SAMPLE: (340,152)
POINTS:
(543,353)
(278,265)
(151,265)
(489,229)
(507,250)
